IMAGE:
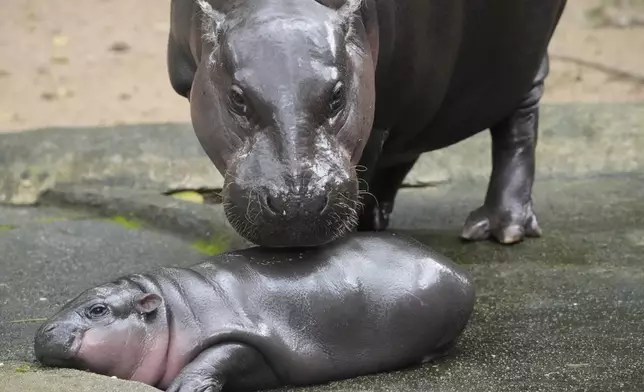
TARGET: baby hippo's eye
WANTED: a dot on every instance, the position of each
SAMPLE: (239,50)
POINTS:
(96,311)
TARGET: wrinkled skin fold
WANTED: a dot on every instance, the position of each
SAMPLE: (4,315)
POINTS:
(314,111)
(260,318)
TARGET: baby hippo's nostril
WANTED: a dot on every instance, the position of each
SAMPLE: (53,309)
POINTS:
(49,328)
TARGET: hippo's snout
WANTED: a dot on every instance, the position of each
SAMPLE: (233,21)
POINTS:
(278,204)
(294,212)
(290,204)
(56,344)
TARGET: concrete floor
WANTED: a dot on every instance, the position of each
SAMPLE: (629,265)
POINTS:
(559,313)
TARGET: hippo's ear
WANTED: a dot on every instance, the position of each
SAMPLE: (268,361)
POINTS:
(211,21)
(347,14)
(147,303)
(349,8)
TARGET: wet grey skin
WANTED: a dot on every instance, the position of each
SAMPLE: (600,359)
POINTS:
(305,105)
(261,318)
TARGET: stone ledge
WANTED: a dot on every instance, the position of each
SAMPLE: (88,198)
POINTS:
(17,376)
(575,140)
(181,218)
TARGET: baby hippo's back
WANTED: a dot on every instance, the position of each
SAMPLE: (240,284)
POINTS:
(368,303)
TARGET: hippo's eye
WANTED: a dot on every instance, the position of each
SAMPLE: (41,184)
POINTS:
(337,99)
(96,311)
(237,101)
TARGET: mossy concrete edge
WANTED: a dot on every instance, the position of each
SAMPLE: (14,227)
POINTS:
(204,226)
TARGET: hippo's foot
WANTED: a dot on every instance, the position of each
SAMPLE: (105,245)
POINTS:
(187,382)
(507,213)
(375,217)
(380,195)
(506,225)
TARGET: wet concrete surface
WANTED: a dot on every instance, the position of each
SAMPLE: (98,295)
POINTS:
(563,312)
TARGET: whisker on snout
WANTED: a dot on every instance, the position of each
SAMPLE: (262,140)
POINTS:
(361,195)
(250,205)
(362,181)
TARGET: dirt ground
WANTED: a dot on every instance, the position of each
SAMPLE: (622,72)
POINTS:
(102,62)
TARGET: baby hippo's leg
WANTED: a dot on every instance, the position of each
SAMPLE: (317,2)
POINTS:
(237,366)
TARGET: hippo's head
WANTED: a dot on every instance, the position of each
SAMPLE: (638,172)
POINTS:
(108,330)
(282,102)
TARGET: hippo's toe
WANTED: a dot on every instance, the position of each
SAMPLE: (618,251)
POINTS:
(194,383)
(508,225)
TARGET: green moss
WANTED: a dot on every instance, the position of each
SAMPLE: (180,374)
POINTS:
(24,368)
(7,227)
(125,222)
(213,246)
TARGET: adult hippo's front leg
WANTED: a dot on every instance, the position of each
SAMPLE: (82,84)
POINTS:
(378,202)
(507,213)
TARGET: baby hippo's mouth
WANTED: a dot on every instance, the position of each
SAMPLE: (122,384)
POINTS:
(57,345)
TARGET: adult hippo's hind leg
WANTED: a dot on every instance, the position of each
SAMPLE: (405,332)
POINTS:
(507,213)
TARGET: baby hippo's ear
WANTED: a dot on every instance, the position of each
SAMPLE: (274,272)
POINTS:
(147,303)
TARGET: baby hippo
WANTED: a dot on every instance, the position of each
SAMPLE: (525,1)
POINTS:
(262,318)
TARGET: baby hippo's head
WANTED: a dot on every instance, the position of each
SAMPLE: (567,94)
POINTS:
(106,330)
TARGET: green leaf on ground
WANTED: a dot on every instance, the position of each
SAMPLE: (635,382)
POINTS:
(32,320)
(125,222)
(212,246)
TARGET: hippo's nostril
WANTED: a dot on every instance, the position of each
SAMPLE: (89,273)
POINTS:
(311,205)
(319,204)
(49,328)
(275,204)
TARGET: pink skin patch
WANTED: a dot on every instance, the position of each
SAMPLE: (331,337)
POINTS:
(126,348)
(177,358)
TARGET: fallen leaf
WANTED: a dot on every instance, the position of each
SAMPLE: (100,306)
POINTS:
(48,95)
(120,46)
(64,92)
(31,16)
(32,320)
(59,59)
(60,41)
(189,196)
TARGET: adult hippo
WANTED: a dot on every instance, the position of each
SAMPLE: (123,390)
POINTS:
(261,318)
(289,97)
